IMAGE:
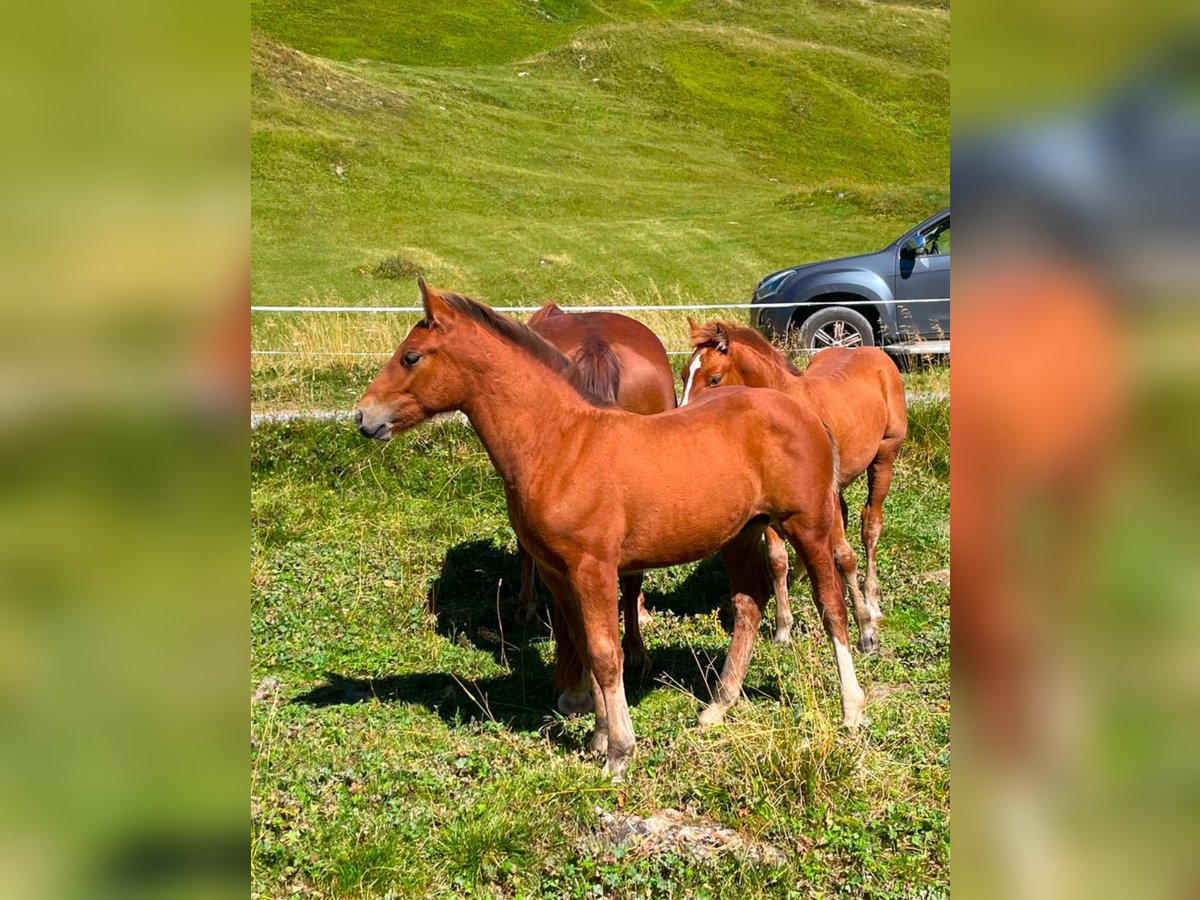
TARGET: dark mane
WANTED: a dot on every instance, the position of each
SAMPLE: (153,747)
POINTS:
(522,337)
(755,339)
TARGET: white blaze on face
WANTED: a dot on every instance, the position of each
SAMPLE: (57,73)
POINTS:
(687,388)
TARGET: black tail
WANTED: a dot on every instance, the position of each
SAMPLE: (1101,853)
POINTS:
(596,372)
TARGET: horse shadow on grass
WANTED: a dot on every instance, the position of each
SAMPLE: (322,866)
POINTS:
(474,601)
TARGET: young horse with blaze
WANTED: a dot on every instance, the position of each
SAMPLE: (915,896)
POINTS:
(859,396)
(594,492)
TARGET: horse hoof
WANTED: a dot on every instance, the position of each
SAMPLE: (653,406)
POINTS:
(575,704)
(853,717)
(713,714)
(614,768)
(853,725)
(599,744)
(783,638)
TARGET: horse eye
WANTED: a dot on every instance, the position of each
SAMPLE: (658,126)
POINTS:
(714,381)
(411,359)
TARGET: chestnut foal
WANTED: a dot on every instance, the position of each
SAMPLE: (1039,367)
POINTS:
(859,395)
(596,492)
(618,361)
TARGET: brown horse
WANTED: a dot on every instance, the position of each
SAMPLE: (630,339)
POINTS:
(594,492)
(616,360)
(859,396)
(645,383)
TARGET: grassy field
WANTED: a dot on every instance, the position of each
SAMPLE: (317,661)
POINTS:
(523,150)
(403,738)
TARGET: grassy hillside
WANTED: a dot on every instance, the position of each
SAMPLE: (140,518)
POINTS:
(629,151)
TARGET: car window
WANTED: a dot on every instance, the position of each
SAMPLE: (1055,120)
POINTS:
(937,239)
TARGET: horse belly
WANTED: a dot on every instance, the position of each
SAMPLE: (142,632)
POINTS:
(684,529)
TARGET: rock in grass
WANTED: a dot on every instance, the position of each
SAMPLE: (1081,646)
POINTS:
(672,829)
(267,689)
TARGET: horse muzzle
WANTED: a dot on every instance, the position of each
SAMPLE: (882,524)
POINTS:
(372,425)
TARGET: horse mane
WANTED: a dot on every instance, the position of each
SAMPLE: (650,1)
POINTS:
(548,311)
(712,334)
(522,337)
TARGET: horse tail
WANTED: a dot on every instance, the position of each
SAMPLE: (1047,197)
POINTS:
(568,666)
(835,494)
(548,311)
(894,399)
(596,371)
(837,461)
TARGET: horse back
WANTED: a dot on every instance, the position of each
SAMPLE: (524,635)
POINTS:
(704,469)
(859,394)
(646,384)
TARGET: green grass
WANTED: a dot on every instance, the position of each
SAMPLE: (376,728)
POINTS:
(650,152)
(411,745)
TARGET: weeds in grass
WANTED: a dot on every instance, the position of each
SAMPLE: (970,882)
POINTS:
(397,267)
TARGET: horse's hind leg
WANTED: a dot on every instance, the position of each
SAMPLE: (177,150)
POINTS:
(814,546)
(633,608)
(571,676)
(748,580)
(847,565)
(777,560)
(527,600)
(879,482)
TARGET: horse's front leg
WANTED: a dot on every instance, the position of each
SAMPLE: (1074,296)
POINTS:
(814,544)
(777,561)
(593,585)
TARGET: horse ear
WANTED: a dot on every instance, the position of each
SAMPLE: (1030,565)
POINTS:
(700,334)
(436,308)
(721,338)
(549,310)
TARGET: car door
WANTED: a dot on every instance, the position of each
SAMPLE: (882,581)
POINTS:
(925,276)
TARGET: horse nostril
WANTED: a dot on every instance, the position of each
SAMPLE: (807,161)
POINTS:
(358,418)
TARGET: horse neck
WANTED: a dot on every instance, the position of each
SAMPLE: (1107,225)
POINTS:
(516,406)
(760,371)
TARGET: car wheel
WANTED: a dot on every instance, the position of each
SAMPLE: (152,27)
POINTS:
(836,326)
